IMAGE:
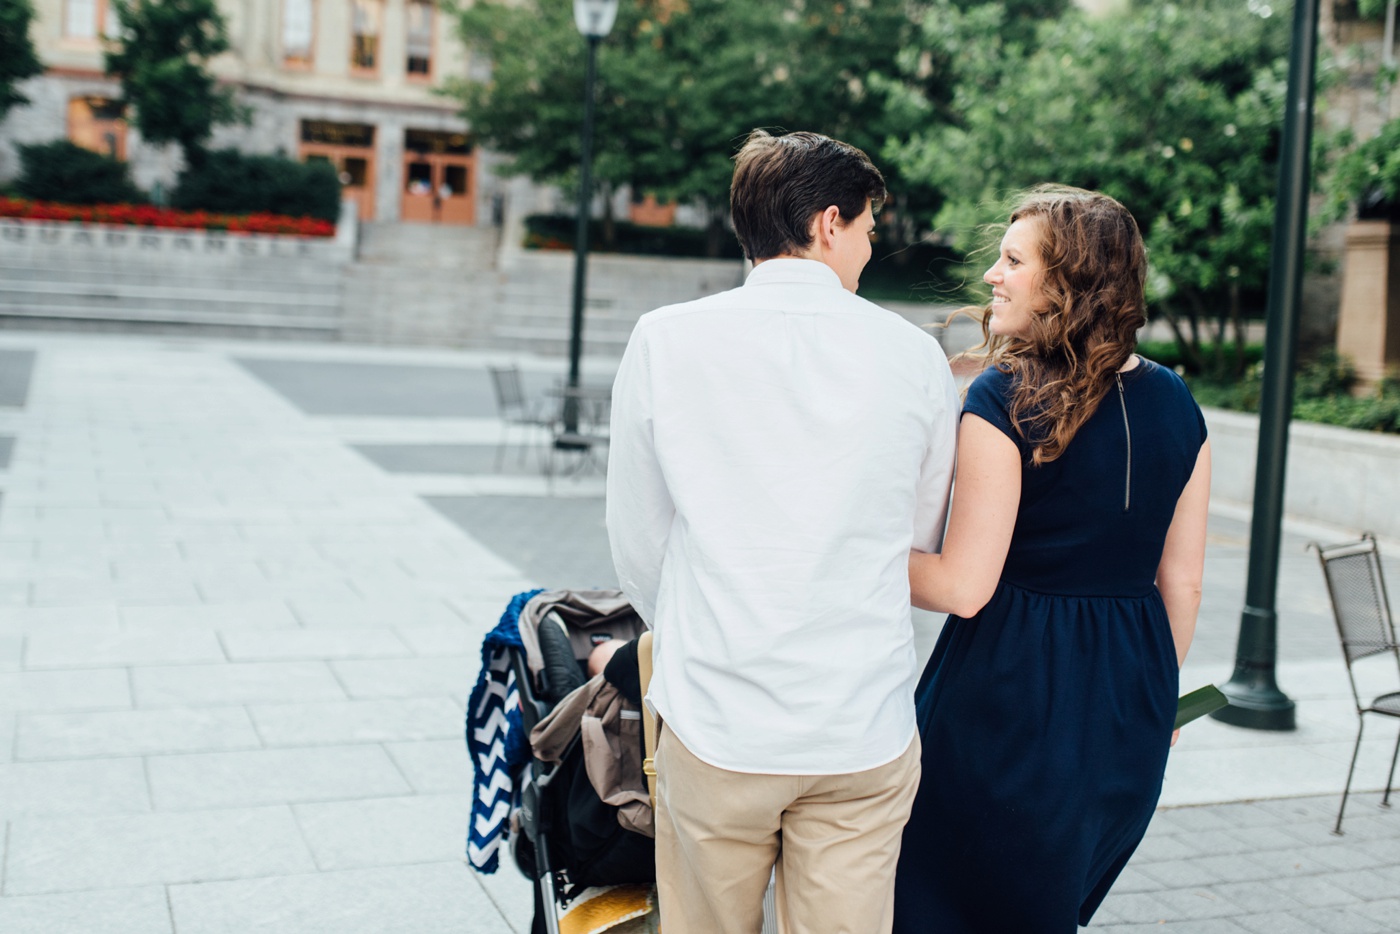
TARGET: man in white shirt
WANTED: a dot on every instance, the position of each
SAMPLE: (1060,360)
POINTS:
(776,450)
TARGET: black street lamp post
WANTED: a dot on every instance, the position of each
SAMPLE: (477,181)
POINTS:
(594,19)
(1255,699)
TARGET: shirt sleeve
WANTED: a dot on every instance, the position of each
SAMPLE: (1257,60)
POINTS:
(639,506)
(936,472)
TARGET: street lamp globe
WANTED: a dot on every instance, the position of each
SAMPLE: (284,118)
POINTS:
(594,18)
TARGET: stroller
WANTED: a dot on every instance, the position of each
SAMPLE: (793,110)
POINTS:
(563,835)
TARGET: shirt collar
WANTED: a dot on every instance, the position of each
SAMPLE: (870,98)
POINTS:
(790,271)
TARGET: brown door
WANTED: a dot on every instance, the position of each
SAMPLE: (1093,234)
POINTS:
(439,178)
(349,147)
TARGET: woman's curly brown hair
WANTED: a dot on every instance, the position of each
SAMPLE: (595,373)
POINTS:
(1066,361)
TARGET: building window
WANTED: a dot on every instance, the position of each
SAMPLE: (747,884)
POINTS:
(364,48)
(298,32)
(89,19)
(420,38)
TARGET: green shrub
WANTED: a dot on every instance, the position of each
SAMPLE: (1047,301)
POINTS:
(66,172)
(231,182)
(1321,393)
(556,232)
(1168,353)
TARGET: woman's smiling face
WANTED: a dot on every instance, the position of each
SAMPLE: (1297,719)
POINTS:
(1016,278)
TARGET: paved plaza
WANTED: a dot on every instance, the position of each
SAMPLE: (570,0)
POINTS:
(242,592)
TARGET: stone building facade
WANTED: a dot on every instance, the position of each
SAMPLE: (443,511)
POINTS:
(349,81)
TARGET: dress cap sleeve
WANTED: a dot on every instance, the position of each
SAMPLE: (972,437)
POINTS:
(987,398)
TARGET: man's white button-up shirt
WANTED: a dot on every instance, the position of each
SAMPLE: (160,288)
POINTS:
(776,451)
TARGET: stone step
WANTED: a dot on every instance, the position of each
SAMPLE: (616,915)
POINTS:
(425,245)
(504,315)
(308,277)
(557,338)
(326,324)
(165,296)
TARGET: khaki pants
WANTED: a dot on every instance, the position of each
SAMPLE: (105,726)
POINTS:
(834,839)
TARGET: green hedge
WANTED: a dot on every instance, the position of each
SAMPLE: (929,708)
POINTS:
(69,174)
(556,232)
(231,182)
(1321,393)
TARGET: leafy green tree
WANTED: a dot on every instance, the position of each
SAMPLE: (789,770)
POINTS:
(680,83)
(1174,109)
(161,56)
(17,58)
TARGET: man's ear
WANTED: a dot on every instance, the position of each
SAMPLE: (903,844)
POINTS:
(826,223)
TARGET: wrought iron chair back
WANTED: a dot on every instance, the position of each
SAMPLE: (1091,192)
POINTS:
(1361,609)
(510,394)
(516,408)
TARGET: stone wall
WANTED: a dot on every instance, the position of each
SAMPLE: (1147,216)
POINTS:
(1335,476)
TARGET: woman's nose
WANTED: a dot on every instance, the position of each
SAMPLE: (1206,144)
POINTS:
(989,274)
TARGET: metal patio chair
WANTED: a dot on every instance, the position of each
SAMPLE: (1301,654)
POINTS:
(516,409)
(584,445)
(1362,611)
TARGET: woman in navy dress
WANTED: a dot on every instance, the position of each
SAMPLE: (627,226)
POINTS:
(1072,573)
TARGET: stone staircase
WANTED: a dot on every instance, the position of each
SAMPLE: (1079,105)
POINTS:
(534,301)
(63,276)
(420,284)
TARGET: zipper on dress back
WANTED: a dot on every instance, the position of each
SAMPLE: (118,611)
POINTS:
(1127,433)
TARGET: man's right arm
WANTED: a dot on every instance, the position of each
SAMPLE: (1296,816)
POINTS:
(639,506)
(936,472)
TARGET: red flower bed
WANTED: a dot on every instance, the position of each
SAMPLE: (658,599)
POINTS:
(145,215)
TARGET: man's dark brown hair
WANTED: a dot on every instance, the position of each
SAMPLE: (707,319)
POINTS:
(781,182)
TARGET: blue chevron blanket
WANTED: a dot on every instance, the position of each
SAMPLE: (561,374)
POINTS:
(496,740)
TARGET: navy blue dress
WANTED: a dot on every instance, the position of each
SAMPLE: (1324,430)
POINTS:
(1047,717)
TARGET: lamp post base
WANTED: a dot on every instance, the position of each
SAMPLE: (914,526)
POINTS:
(1256,702)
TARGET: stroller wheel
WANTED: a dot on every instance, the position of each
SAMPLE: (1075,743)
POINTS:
(523,852)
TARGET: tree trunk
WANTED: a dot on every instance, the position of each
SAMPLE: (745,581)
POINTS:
(609,222)
(1190,354)
(1237,320)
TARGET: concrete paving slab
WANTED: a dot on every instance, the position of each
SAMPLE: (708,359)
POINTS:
(433,766)
(386,831)
(272,776)
(359,389)
(133,733)
(252,645)
(7,736)
(11,652)
(16,372)
(436,898)
(359,614)
(141,910)
(21,620)
(74,854)
(357,721)
(57,789)
(240,683)
(64,690)
(433,641)
(258,615)
(67,650)
(16,552)
(513,895)
(14,593)
(409,677)
(560,542)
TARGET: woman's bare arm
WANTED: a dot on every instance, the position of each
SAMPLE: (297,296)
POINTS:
(986,497)
(1184,556)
